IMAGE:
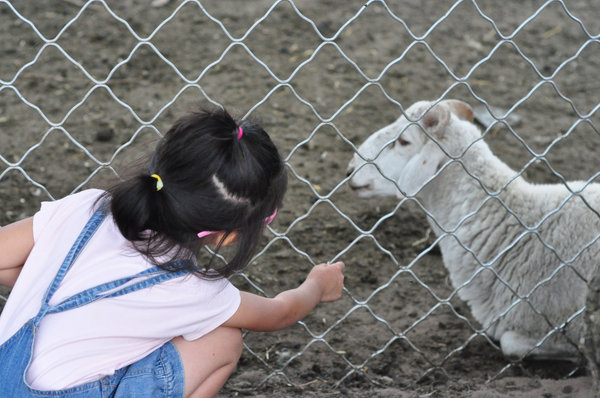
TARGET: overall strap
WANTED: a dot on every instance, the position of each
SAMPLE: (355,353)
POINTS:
(88,231)
(150,277)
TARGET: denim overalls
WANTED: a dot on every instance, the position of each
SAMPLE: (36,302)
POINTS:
(160,374)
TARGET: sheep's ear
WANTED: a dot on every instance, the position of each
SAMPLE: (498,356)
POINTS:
(460,109)
(420,168)
(436,119)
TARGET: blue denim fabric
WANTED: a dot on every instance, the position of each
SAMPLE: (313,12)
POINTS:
(160,374)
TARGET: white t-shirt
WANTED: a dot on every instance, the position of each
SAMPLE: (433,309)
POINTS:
(87,343)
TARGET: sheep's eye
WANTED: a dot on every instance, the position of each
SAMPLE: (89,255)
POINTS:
(403,142)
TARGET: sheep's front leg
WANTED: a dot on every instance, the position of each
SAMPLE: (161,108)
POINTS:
(515,346)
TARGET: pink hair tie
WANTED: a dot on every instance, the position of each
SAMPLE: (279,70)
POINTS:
(240,133)
(270,219)
(205,233)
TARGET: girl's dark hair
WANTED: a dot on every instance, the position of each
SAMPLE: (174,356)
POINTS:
(213,181)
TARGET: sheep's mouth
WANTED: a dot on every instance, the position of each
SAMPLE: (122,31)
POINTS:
(372,191)
(359,188)
(363,191)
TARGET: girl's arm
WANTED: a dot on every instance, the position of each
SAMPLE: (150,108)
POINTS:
(324,283)
(16,242)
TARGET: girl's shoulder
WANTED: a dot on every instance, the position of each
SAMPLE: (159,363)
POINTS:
(80,204)
(82,199)
(87,195)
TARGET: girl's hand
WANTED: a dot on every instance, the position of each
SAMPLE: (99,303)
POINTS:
(323,283)
(330,280)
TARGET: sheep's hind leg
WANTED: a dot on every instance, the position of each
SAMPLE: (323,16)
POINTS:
(516,346)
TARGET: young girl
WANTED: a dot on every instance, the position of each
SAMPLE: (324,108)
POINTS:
(108,298)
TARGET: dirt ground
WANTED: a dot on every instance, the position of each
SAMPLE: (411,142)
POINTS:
(388,336)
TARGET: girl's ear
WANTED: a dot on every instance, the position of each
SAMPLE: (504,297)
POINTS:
(219,239)
(231,238)
(420,168)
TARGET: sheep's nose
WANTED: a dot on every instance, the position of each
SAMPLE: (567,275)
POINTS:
(349,171)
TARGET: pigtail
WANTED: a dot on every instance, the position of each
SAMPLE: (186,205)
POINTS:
(132,203)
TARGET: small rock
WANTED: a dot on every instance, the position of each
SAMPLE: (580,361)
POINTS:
(159,3)
(105,135)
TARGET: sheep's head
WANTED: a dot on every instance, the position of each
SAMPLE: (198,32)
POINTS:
(404,155)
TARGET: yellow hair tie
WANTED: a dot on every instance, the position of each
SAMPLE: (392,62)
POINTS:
(159,183)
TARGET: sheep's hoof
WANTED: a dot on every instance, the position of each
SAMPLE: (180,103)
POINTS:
(518,346)
(515,346)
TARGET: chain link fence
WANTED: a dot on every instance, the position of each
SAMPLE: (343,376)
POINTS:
(87,86)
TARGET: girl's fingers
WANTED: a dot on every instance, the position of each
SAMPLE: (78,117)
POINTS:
(339,265)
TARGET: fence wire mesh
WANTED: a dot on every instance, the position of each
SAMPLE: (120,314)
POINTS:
(86,86)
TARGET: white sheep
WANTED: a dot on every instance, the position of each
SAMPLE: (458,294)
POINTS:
(519,254)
